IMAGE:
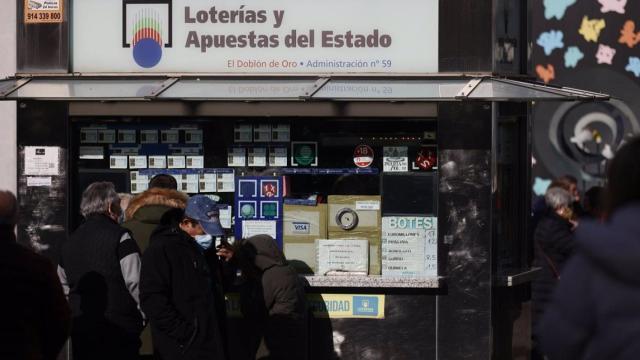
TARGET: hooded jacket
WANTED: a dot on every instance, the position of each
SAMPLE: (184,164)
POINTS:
(595,312)
(276,301)
(145,211)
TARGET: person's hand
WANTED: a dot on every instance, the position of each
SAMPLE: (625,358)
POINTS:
(574,224)
(224,252)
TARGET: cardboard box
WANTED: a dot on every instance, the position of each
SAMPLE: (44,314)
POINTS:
(302,226)
(357,217)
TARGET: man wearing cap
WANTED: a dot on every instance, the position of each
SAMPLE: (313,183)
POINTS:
(181,286)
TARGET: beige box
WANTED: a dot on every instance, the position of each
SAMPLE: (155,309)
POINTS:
(357,217)
(302,226)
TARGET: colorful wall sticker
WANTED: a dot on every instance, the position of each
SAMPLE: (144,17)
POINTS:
(605,54)
(556,8)
(590,28)
(572,56)
(613,5)
(551,40)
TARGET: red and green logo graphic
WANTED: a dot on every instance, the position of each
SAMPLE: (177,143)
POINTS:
(147,30)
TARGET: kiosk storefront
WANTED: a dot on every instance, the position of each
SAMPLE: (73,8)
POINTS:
(385,146)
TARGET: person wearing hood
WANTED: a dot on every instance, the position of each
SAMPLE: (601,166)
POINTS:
(144,212)
(181,289)
(272,297)
(594,313)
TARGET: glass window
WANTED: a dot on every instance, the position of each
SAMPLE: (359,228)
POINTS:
(356,195)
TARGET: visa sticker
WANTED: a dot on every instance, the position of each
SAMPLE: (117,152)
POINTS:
(300,228)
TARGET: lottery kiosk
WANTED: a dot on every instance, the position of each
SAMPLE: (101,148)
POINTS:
(385,147)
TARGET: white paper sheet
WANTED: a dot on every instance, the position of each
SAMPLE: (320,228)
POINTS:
(258,227)
(41,160)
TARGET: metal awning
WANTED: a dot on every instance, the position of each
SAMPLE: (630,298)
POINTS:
(338,88)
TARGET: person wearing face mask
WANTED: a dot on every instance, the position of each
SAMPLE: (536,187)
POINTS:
(99,270)
(181,286)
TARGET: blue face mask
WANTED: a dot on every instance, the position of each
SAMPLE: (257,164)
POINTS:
(205,241)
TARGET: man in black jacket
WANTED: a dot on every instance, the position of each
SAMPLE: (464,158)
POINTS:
(181,286)
(100,270)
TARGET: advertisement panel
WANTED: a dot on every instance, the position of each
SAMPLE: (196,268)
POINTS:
(43,11)
(279,36)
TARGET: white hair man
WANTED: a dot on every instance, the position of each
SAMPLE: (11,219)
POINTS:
(100,271)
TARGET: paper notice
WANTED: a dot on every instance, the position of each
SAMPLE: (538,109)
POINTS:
(195,162)
(148,136)
(226,182)
(395,159)
(278,156)
(243,133)
(193,136)
(262,133)
(225,217)
(208,183)
(280,133)
(139,183)
(368,205)
(91,152)
(237,157)
(118,162)
(106,136)
(157,162)
(127,136)
(39,181)
(171,136)
(137,162)
(176,162)
(41,160)
(88,136)
(257,157)
(342,255)
(409,246)
(258,227)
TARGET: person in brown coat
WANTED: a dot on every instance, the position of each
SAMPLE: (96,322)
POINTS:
(145,210)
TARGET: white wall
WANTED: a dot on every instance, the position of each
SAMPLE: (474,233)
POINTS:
(8,159)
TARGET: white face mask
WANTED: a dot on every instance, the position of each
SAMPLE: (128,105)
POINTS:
(205,241)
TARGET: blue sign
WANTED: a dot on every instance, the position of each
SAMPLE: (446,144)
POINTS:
(365,306)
